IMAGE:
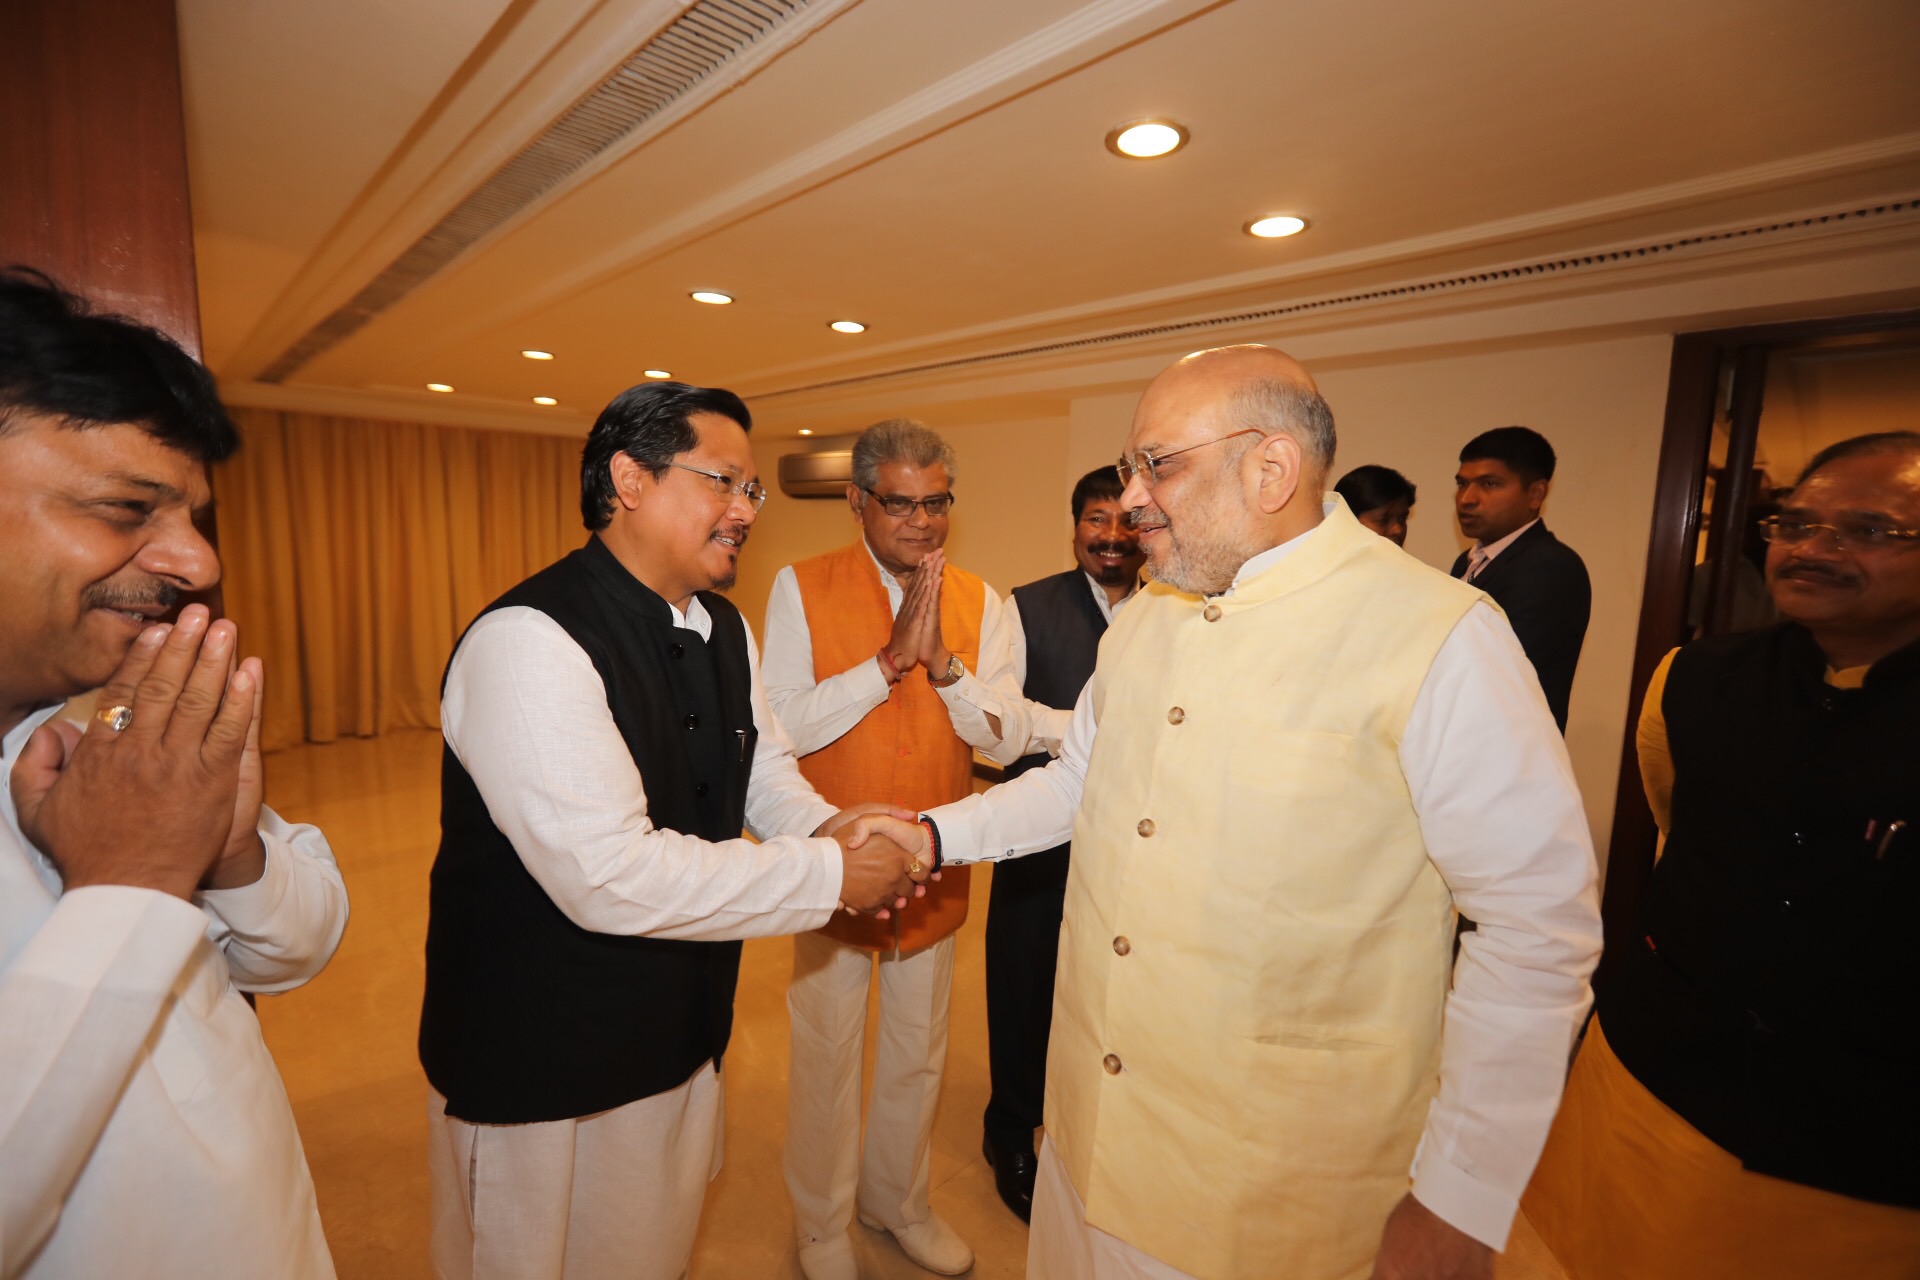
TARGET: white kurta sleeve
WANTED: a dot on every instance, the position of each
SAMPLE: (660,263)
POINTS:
(815,712)
(526,715)
(1046,725)
(282,929)
(779,800)
(1502,820)
(78,1003)
(1031,813)
(991,691)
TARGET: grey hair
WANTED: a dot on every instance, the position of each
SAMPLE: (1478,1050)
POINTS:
(1272,404)
(899,440)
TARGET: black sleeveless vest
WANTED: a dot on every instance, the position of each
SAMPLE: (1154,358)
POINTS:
(528,1016)
(1774,997)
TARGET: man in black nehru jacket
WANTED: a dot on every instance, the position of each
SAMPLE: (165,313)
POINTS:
(1057,625)
(607,737)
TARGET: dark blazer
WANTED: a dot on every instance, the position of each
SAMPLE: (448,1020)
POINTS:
(1542,584)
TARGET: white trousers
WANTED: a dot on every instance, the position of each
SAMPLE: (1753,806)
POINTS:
(827,1173)
(611,1195)
(1063,1246)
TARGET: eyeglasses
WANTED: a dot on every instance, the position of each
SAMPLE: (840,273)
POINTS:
(725,486)
(1139,461)
(1854,535)
(899,506)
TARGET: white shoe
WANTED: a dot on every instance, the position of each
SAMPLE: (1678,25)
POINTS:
(828,1259)
(932,1244)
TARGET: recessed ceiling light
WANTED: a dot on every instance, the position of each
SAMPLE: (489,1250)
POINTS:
(806,431)
(1274,226)
(658,373)
(711,296)
(537,355)
(439,386)
(545,400)
(1147,139)
(847,326)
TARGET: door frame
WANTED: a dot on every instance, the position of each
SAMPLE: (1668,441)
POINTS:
(1693,389)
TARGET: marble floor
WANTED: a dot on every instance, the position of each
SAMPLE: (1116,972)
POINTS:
(345,1044)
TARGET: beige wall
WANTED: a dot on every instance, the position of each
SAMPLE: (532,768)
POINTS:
(1600,402)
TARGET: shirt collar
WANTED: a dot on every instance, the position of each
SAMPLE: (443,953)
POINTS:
(1272,556)
(1107,607)
(1489,550)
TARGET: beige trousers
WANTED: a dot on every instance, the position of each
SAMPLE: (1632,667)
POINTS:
(1062,1246)
(612,1195)
(827,1172)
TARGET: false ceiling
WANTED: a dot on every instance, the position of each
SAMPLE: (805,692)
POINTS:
(389,193)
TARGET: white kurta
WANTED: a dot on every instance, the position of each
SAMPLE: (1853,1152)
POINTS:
(144,1130)
(1500,817)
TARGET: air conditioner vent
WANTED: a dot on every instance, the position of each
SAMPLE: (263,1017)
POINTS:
(707,36)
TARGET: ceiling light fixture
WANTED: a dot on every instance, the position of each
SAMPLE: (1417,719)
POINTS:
(537,355)
(1147,139)
(545,400)
(712,297)
(1275,226)
(658,373)
(847,326)
(439,386)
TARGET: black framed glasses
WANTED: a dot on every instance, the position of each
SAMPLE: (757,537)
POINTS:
(725,486)
(899,506)
(1849,535)
(1142,463)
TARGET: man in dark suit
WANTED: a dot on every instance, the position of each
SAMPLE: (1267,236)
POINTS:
(1537,579)
(1057,623)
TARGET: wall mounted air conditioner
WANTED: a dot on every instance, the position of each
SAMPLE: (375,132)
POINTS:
(823,473)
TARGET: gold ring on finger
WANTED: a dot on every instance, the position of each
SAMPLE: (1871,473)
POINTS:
(116,718)
(914,868)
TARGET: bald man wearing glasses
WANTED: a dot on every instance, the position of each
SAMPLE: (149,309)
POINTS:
(890,668)
(1312,750)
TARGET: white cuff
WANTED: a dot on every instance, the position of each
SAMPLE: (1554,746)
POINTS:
(1464,1202)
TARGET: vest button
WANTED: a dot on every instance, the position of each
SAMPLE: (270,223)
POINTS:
(1146,827)
(700,789)
(1175,715)
(1112,1063)
(676,651)
(693,722)
(1121,946)
(1211,613)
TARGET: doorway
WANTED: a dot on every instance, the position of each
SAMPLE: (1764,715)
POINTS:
(1746,409)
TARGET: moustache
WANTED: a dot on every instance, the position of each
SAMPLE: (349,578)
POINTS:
(1138,519)
(1111,548)
(737,532)
(108,595)
(1814,570)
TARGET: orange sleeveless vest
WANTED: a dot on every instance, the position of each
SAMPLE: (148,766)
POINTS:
(904,752)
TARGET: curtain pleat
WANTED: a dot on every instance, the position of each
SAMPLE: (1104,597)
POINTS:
(357,551)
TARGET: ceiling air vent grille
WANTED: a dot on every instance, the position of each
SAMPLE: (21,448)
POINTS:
(1536,269)
(707,36)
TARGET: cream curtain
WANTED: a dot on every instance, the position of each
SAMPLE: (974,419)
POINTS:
(357,551)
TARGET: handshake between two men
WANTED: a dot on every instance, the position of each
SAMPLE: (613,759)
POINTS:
(886,858)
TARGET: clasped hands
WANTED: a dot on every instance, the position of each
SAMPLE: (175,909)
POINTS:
(885,858)
(916,639)
(171,801)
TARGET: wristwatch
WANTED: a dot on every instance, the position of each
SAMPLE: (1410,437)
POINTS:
(953,672)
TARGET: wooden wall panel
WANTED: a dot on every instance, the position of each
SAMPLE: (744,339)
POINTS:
(94,156)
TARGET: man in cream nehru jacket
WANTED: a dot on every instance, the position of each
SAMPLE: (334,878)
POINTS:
(1281,784)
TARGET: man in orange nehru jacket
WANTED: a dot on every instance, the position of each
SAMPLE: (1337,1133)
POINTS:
(889,668)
